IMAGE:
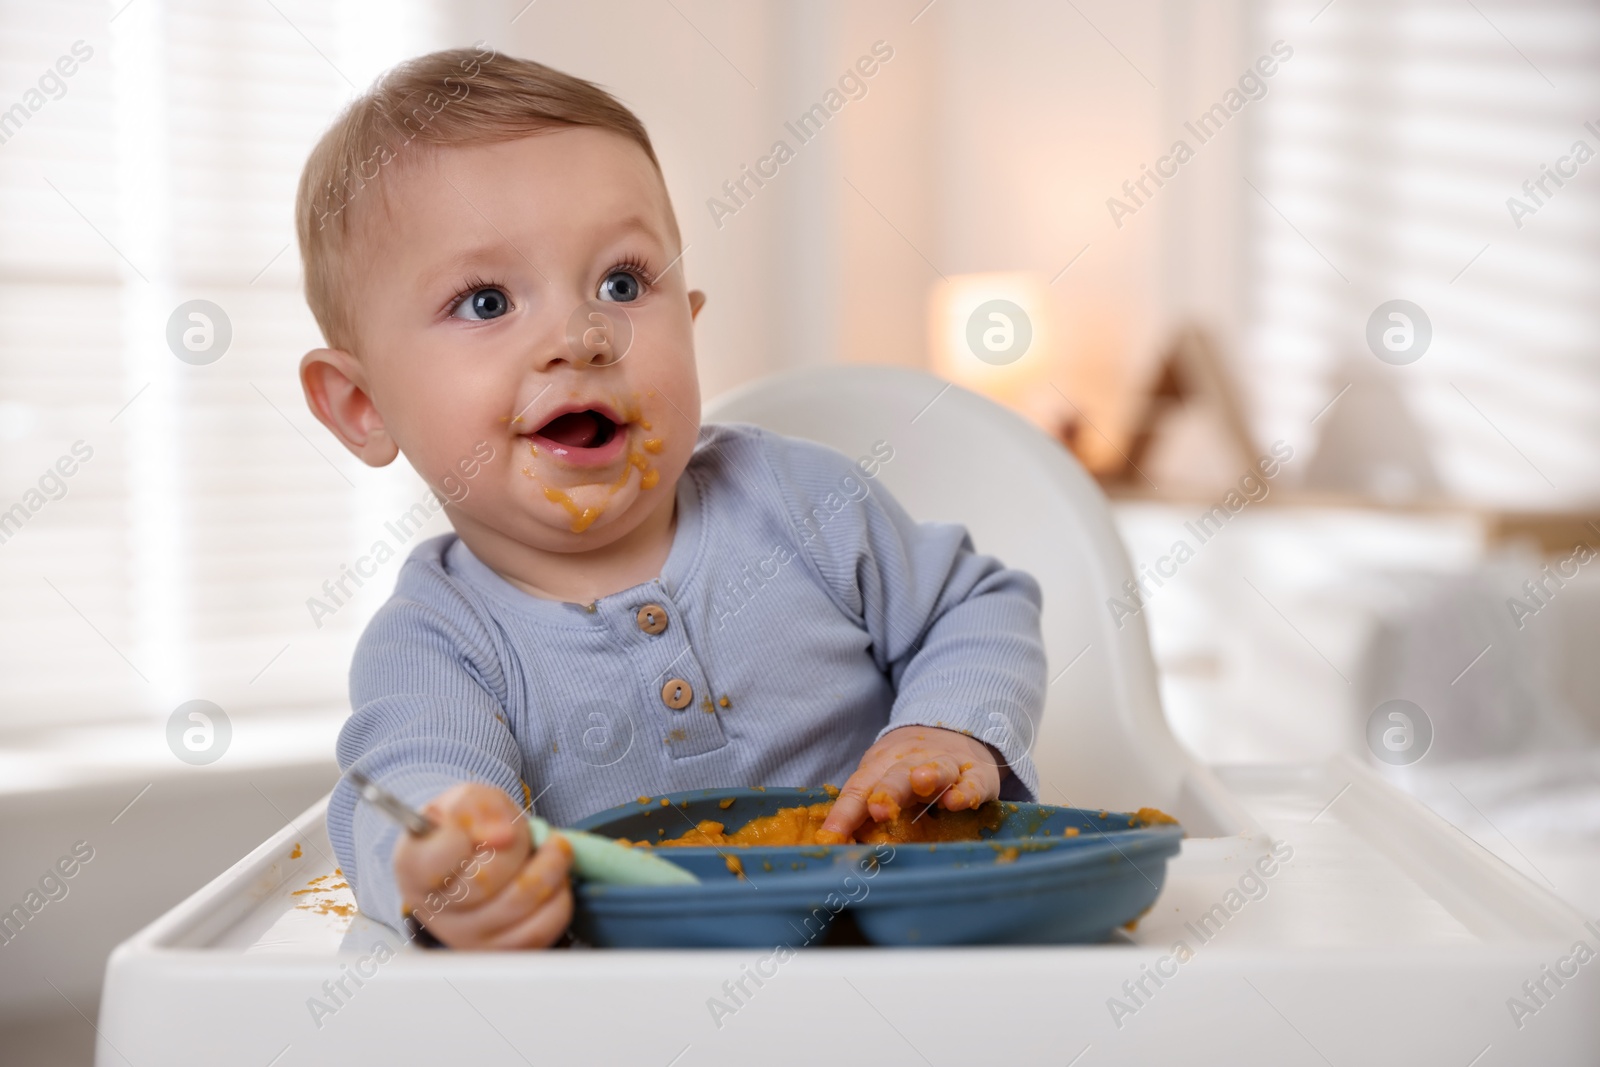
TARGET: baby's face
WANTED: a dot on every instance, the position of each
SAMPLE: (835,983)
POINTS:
(497,289)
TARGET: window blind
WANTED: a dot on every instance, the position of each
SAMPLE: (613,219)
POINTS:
(205,504)
(1382,169)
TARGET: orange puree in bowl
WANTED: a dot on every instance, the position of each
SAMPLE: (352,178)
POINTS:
(801,826)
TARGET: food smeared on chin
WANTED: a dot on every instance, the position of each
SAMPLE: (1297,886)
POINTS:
(803,826)
(582,518)
(593,436)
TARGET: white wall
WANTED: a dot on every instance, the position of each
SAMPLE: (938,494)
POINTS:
(988,142)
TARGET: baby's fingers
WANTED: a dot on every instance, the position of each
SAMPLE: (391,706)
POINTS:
(432,892)
(849,808)
(932,777)
(976,784)
(917,779)
(480,843)
(541,929)
(891,792)
(501,921)
(423,862)
(432,871)
(481,812)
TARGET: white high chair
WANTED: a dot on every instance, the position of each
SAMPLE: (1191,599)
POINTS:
(1381,935)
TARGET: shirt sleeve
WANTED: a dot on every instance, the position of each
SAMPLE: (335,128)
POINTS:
(427,691)
(956,632)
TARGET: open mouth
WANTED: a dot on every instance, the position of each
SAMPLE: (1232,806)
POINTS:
(579,429)
(586,437)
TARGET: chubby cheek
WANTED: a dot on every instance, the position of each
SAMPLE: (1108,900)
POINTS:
(448,432)
(669,440)
(668,459)
(664,379)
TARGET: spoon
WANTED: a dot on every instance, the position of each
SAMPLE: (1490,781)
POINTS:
(595,858)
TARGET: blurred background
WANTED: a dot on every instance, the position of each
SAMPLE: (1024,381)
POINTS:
(1355,238)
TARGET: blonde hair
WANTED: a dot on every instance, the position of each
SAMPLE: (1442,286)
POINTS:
(457,97)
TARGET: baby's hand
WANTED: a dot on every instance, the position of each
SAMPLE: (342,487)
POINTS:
(472,882)
(914,763)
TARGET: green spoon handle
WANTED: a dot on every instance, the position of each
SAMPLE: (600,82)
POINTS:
(600,859)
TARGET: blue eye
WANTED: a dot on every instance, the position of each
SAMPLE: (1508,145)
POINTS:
(485,303)
(621,287)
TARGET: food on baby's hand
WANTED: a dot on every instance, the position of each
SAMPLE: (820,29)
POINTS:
(882,799)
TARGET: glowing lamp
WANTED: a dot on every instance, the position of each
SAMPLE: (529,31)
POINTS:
(995,334)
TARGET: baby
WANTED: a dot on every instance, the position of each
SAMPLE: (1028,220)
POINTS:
(631,603)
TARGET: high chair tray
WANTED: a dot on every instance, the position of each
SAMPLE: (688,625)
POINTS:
(1369,932)
(1043,875)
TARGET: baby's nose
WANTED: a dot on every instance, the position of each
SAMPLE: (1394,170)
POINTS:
(598,334)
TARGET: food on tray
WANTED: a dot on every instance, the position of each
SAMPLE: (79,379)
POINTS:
(327,900)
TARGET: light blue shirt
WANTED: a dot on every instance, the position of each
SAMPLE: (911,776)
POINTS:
(805,612)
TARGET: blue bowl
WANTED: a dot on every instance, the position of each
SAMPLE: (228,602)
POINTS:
(1028,882)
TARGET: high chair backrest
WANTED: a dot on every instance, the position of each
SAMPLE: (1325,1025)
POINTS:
(958,457)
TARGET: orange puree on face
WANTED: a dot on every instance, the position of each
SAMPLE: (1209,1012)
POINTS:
(581,517)
(649,477)
(803,826)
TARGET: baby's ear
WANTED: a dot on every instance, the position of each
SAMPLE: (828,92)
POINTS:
(697,300)
(335,389)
